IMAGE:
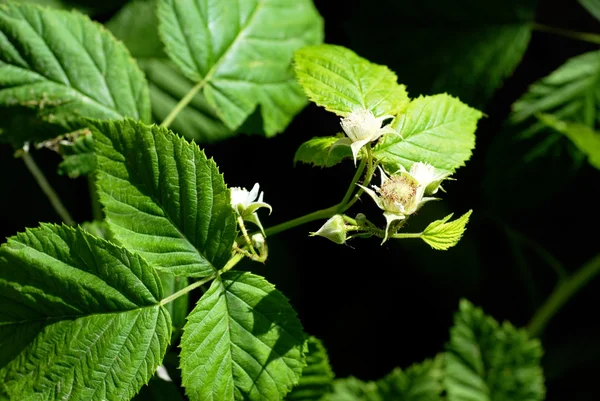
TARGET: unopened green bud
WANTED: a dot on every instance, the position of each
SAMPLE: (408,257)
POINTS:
(334,229)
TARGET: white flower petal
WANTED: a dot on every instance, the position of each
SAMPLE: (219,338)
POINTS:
(373,195)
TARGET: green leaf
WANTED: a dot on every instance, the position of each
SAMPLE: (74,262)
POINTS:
(242,341)
(78,154)
(163,198)
(136,25)
(586,139)
(98,229)
(240,54)
(419,382)
(339,80)
(439,130)
(442,235)
(79,317)
(466,48)
(316,375)
(198,121)
(533,157)
(593,7)
(487,361)
(353,389)
(317,151)
(65,66)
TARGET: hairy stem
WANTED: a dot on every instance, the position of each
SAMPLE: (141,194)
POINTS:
(182,104)
(232,262)
(583,36)
(46,187)
(561,294)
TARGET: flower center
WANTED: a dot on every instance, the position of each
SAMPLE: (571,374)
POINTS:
(398,193)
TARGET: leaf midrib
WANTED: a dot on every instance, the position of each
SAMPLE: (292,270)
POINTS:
(204,81)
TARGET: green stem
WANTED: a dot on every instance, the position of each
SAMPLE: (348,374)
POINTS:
(232,262)
(561,294)
(318,215)
(182,104)
(245,234)
(328,212)
(370,171)
(406,235)
(352,187)
(583,36)
(46,187)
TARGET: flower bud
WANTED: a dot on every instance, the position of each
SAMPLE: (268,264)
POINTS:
(334,229)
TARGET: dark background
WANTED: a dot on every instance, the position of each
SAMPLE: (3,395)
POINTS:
(377,307)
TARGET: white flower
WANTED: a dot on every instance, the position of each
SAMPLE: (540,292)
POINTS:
(362,127)
(427,176)
(402,194)
(246,204)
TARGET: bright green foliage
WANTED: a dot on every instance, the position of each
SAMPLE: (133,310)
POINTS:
(136,24)
(570,93)
(419,382)
(163,198)
(318,152)
(586,139)
(339,80)
(242,341)
(353,389)
(463,47)
(442,235)
(79,158)
(64,66)
(316,376)
(240,53)
(593,6)
(98,229)
(486,361)
(198,121)
(439,130)
(79,317)
(533,157)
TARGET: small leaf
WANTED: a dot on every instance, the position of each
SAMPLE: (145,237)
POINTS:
(439,130)
(240,54)
(586,139)
(442,235)
(65,66)
(242,341)
(318,152)
(316,375)
(163,198)
(486,361)
(80,317)
(339,80)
